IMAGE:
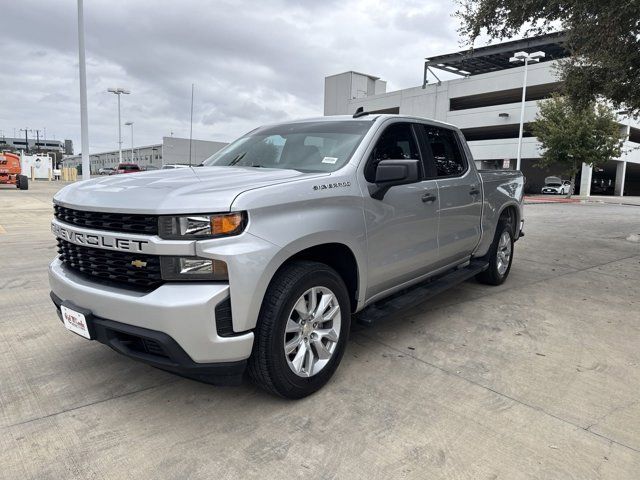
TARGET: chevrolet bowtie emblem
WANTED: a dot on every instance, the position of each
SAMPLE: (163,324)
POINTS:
(139,263)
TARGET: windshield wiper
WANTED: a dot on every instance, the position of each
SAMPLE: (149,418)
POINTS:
(237,159)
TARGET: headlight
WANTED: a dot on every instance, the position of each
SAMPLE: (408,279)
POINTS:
(193,268)
(199,227)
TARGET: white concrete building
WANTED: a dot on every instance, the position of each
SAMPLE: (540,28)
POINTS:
(172,150)
(485,103)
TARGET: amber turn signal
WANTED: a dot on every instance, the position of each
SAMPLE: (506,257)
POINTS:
(226,224)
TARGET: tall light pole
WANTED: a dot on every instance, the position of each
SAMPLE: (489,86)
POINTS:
(526,58)
(131,125)
(119,91)
(84,118)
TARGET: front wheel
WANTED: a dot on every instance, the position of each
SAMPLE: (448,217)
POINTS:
(302,330)
(500,256)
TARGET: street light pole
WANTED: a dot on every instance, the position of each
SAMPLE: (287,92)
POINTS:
(521,130)
(119,91)
(119,133)
(131,124)
(526,58)
(84,118)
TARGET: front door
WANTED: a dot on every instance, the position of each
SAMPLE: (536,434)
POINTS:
(402,228)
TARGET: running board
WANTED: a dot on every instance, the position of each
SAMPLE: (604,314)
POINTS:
(417,294)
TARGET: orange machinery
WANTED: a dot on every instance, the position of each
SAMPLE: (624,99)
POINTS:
(10,171)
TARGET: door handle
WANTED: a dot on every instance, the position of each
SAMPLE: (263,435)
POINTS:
(428,198)
(474,191)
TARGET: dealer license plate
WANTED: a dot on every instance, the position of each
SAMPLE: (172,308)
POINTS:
(75,321)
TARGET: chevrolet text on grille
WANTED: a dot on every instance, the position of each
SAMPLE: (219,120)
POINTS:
(94,240)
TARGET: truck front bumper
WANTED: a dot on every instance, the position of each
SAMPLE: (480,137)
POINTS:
(176,320)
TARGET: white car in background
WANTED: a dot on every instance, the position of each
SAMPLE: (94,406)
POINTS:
(556,186)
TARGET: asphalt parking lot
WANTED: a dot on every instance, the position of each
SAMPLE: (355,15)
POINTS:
(538,378)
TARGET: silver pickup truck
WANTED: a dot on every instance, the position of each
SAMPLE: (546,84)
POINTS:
(257,259)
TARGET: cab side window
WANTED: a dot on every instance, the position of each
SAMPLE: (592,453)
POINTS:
(397,142)
(445,151)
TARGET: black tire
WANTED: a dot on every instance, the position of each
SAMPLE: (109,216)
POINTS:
(492,275)
(268,365)
(23,182)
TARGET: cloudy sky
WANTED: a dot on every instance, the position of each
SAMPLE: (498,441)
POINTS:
(252,62)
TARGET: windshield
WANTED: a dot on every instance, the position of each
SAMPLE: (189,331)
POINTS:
(307,147)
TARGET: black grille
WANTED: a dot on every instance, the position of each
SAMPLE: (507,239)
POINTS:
(153,347)
(111,266)
(140,344)
(224,321)
(115,222)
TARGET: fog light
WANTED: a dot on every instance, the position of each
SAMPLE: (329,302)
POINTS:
(193,268)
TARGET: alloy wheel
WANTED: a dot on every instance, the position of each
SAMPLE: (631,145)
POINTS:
(504,252)
(312,331)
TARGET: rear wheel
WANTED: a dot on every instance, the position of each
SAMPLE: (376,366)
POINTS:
(500,256)
(302,332)
(22,182)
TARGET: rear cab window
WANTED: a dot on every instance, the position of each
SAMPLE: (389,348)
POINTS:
(443,146)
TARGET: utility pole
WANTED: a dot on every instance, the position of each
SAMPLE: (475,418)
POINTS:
(26,138)
(37,140)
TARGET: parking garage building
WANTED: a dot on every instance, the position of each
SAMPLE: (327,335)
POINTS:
(484,100)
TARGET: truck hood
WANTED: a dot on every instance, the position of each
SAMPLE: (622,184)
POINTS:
(182,190)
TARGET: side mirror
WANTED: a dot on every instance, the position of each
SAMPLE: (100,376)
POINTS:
(390,173)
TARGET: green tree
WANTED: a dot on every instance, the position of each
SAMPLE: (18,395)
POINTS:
(603,37)
(572,133)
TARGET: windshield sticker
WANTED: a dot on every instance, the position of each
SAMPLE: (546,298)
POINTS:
(330,160)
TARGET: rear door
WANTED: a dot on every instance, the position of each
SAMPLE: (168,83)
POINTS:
(459,191)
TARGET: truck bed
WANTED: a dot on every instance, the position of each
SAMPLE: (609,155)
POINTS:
(501,188)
